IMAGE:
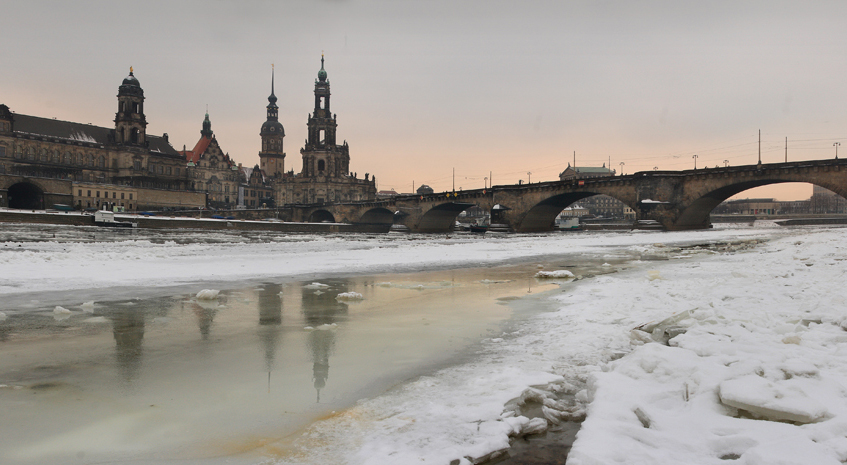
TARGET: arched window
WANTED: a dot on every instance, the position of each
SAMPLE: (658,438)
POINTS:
(133,137)
(321,165)
(101,162)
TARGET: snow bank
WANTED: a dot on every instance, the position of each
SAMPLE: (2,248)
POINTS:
(757,373)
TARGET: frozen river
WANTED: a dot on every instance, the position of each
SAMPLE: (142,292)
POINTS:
(317,349)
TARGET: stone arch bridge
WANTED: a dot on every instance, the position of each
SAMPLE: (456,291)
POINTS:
(676,200)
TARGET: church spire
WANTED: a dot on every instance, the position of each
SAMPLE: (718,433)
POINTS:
(207,126)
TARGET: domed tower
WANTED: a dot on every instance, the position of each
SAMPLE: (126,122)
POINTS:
(321,155)
(130,123)
(207,127)
(272,158)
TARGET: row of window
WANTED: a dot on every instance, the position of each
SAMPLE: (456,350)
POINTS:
(105,194)
(47,156)
(158,169)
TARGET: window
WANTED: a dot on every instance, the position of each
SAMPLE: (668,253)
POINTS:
(151,167)
(177,172)
(114,195)
(2,150)
(169,170)
(321,165)
(89,194)
(130,198)
(122,195)
(136,164)
(98,194)
(101,162)
(80,193)
(161,169)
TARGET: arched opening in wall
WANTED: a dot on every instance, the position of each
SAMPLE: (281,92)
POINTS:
(24,195)
(321,216)
(322,136)
(321,165)
(323,103)
(378,216)
(442,218)
(764,198)
(560,210)
(133,135)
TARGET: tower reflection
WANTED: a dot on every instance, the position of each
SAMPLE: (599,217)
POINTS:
(270,323)
(128,331)
(321,310)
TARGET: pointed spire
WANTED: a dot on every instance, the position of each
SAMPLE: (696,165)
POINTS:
(272,98)
(207,125)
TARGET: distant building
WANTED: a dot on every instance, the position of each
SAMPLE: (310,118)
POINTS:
(424,189)
(825,201)
(387,194)
(584,172)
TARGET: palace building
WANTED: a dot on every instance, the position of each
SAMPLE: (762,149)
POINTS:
(45,161)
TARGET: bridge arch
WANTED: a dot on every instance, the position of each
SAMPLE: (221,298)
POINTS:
(696,213)
(26,195)
(378,215)
(441,218)
(321,216)
(541,216)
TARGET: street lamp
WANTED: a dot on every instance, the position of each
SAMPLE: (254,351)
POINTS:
(622,163)
(485,182)
(529,176)
(725,163)
(836,149)
(695,161)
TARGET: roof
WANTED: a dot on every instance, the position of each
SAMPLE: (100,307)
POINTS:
(591,169)
(199,148)
(80,132)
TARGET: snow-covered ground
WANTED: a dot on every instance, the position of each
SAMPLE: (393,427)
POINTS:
(752,371)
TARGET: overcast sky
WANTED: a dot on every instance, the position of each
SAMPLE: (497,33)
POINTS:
(422,87)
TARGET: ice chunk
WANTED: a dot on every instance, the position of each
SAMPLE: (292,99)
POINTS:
(208,294)
(316,286)
(557,274)
(61,311)
(88,307)
(96,320)
(653,275)
(349,296)
(535,426)
(3,316)
(771,401)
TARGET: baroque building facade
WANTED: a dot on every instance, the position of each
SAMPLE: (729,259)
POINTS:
(211,170)
(124,164)
(325,175)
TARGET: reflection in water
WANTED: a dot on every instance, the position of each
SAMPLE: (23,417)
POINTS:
(270,321)
(321,309)
(205,312)
(128,329)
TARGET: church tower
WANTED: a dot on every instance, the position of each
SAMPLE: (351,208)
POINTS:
(130,123)
(321,156)
(272,158)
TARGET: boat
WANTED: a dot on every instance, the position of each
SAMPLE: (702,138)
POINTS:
(107,219)
(476,228)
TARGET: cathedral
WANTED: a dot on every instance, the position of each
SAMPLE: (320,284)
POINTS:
(325,175)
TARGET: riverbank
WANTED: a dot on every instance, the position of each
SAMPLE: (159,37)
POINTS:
(176,222)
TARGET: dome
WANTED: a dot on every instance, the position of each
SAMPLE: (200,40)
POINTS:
(131,80)
(272,128)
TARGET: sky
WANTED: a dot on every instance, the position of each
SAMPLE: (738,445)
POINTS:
(490,89)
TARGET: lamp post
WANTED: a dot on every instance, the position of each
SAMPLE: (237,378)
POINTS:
(622,163)
(836,149)
(695,161)
(529,177)
(725,163)
(485,182)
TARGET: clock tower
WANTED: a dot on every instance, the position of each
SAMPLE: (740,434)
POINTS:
(272,158)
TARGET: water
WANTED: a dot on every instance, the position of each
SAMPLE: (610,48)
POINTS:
(176,378)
